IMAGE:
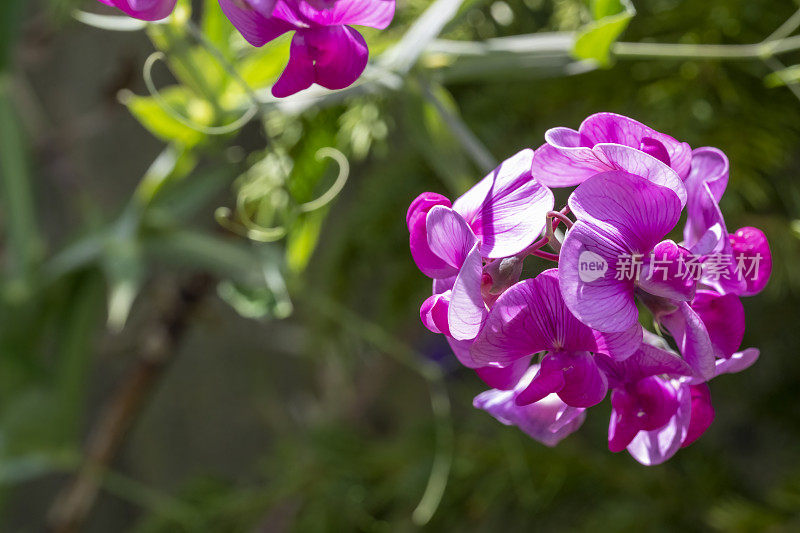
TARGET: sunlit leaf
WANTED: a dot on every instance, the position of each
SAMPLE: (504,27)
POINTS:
(783,77)
(262,66)
(161,124)
(302,240)
(595,39)
(216,27)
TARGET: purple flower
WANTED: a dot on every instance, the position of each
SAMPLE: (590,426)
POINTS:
(325,48)
(434,315)
(143,9)
(653,412)
(690,333)
(723,318)
(746,260)
(735,363)
(621,217)
(498,217)
(579,324)
(570,157)
(531,317)
(749,247)
(547,421)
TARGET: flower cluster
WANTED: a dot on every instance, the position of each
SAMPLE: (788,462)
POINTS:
(325,48)
(554,345)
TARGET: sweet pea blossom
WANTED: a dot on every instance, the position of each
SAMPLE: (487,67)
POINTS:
(651,407)
(149,10)
(531,317)
(499,217)
(570,157)
(706,233)
(620,216)
(325,48)
(548,421)
(434,315)
(554,345)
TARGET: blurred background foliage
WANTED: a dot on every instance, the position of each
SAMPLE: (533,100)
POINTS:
(174,238)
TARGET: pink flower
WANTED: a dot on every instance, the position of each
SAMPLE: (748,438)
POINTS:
(570,157)
(143,9)
(325,48)
(499,217)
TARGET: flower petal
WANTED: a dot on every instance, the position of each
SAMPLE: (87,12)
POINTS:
(723,316)
(507,208)
(255,27)
(710,166)
(530,317)
(149,10)
(449,236)
(341,55)
(461,351)
(547,421)
(702,413)
(565,165)
(619,129)
(639,163)
(655,447)
(694,343)
(619,345)
(664,273)
(585,384)
(647,361)
(628,208)
(433,313)
(428,262)
(299,73)
(752,259)
(735,363)
(332,56)
(424,203)
(374,13)
(504,378)
(467,310)
(603,303)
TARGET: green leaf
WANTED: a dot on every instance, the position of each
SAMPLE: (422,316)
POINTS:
(160,123)
(22,238)
(302,240)
(80,317)
(783,77)
(174,163)
(595,39)
(124,268)
(216,27)
(262,66)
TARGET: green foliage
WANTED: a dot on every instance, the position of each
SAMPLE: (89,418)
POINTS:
(609,20)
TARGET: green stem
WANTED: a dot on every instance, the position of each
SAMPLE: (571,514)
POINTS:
(625,50)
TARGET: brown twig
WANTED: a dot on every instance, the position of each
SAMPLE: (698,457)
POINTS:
(72,506)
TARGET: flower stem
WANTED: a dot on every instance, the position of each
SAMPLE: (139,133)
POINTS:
(545,255)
